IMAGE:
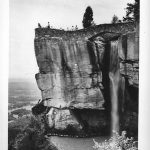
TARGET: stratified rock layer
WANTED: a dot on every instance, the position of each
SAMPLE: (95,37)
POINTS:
(67,77)
(129,55)
(74,69)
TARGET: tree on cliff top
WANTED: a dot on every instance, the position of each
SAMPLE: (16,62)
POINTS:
(88,17)
(132,11)
(115,19)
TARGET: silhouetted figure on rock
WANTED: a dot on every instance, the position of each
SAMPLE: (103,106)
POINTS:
(72,28)
(76,27)
(39,26)
(48,25)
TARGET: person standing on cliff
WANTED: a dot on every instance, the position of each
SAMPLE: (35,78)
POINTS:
(48,25)
(39,26)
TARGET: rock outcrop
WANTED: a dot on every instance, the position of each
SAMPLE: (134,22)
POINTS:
(129,55)
(74,69)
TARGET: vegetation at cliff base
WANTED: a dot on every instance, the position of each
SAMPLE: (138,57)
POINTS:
(28,134)
(117,142)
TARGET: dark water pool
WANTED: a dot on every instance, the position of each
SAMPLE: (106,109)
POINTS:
(67,143)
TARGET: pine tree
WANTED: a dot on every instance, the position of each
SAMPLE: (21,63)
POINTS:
(132,11)
(115,19)
(88,17)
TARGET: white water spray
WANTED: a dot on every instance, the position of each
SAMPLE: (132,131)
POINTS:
(114,80)
(114,76)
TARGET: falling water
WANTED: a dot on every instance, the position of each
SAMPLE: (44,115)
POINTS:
(114,80)
(114,77)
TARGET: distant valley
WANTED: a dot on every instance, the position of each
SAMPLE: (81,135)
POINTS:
(22,96)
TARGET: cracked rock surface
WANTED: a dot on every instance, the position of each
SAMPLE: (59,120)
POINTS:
(74,71)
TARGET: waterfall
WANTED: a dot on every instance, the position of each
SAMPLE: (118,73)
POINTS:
(114,80)
(114,76)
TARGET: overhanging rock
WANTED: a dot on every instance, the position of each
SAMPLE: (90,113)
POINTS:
(74,72)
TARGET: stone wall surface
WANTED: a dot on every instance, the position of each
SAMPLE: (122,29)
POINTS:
(67,76)
(129,55)
(74,68)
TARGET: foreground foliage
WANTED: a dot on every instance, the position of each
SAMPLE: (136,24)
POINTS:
(31,137)
(117,142)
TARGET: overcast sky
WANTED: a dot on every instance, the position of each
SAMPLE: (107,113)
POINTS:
(25,15)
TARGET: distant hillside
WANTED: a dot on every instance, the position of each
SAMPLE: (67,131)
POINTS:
(23,87)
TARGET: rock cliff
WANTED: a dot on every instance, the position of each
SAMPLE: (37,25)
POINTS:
(75,69)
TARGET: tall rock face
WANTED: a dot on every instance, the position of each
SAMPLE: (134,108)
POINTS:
(74,73)
(66,75)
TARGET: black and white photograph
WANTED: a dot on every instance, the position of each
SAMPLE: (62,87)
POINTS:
(73,74)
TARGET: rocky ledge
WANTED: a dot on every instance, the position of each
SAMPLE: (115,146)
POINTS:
(74,73)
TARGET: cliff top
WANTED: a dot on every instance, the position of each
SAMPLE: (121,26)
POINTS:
(88,32)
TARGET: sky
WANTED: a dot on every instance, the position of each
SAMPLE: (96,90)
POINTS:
(26,14)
